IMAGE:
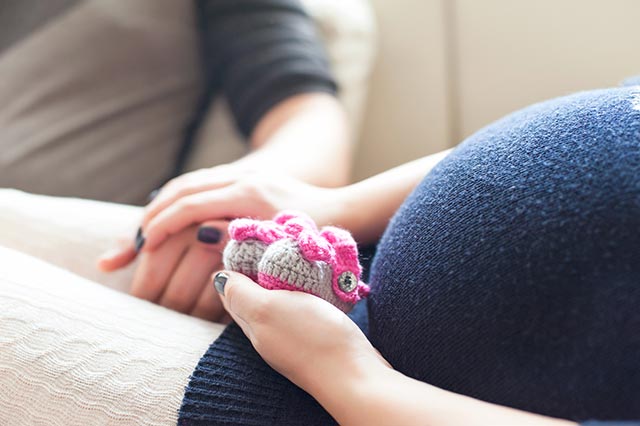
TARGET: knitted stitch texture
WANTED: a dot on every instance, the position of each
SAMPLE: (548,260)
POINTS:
(512,273)
(290,253)
(232,385)
(75,353)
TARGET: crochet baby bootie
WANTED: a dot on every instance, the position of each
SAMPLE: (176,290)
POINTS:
(290,253)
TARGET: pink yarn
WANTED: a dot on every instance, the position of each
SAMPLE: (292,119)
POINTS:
(331,245)
(266,231)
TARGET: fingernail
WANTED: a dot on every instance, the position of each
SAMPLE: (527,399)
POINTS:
(139,240)
(209,235)
(152,195)
(219,281)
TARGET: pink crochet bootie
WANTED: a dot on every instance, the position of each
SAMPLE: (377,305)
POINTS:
(290,253)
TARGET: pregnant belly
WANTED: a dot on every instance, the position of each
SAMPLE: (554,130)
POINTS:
(510,274)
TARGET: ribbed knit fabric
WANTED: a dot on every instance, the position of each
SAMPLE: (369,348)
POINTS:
(510,275)
(232,385)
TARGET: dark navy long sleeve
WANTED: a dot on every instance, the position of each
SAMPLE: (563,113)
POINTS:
(260,52)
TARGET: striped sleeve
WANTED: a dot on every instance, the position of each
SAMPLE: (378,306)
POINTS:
(260,52)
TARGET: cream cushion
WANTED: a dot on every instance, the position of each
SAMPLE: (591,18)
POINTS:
(74,348)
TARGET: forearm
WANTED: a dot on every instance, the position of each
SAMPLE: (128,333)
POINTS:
(367,206)
(305,136)
(382,396)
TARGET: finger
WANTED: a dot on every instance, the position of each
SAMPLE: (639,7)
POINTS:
(213,235)
(187,184)
(209,306)
(246,301)
(220,204)
(244,325)
(116,258)
(190,278)
(156,268)
(168,197)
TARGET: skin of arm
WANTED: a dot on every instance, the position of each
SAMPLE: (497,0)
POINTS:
(367,206)
(298,137)
(363,208)
(305,136)
(379,395)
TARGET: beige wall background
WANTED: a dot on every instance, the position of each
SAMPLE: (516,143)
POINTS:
(445,68)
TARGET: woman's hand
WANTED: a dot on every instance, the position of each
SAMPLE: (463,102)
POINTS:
(303,337)
(177,273)
(321,350)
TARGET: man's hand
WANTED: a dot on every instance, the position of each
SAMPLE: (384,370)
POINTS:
(255,195)
(301,139)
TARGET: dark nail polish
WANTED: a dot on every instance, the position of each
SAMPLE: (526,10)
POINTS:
(209,235)
(139,240)
(219,281)
(152,195)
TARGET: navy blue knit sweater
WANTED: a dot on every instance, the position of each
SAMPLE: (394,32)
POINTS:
(511,274)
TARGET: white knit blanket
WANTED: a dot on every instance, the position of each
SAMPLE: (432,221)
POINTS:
(72,351)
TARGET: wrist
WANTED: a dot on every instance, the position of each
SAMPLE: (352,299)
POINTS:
(358,213)
(347,387)
(334,207)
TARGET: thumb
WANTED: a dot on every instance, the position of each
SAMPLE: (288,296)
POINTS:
(245,300)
